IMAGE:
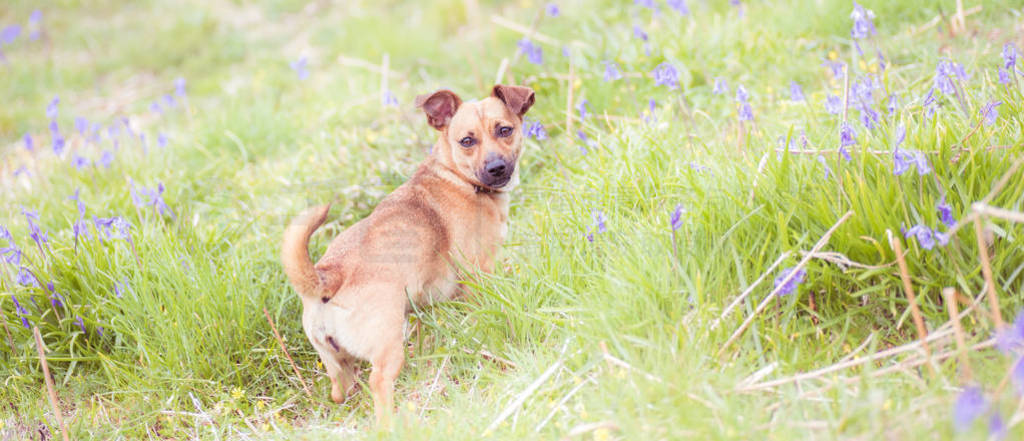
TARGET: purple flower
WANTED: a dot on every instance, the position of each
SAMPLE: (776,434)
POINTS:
(533,52)
(1009,56)
(679,6)
(901,135)
(745,112)
(582,108)
(1011,338)
(12,255)
(81,228)
(741,94)
(946,213)
(721,88)
(552,9)
(161,139)
(945,72)
(648,118)
(51,109)
(646,4)
(301,68)
(179,86)
(589,142)
(28,142)
(80,162)
(665,74)
(611,71)
(155,107)
(1004,76)
(389,99)
(58,144)
(893,104)
(989,112)
(996,427)
(847,135)
(903,159)
(81,124)
(833,104)
(37,234)
(21,312)
(106,158)
(81,325)
(9,33)
(968,407)
(790,286)
(862,25)
(828,171)
(869,117)
(155,197)
(114,227)
(639,33)
(926,237)
(535,130)
(676,220)
(565,51)
(599,221)
(5,234)
(796,93)
(26,278)
(836,67)
(121,288)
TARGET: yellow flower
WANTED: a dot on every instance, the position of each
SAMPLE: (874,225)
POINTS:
(237,393)
(601,434)
(260,404)
(832,55)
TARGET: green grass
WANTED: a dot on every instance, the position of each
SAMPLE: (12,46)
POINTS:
(187,353)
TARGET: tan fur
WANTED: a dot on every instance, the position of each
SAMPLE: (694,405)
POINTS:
(412,247)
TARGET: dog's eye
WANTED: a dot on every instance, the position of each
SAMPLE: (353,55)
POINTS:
(467,142)
(504,131)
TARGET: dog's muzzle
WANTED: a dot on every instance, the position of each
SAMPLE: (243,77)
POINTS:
(496,172)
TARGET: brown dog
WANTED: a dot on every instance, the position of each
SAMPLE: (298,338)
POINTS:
(452,214)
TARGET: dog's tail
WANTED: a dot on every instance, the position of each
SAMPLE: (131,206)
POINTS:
(295,251)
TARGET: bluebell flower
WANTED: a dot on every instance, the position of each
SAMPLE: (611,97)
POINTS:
(1004,76)
(155,198)
(1010,339)
(796,93)
(389,99)
(35,232)
(969,406)
(945,213)
(121,288)
(679,6)
(837,68)
(9,34)
(51,109)
(868,117)
(611,71)
(533,52)
(676,219)
(552,9)
(169,100)
(81,325)
(589,142)
(565,51)
(926,237)
(80,162)
(945,73)
(828,171)
(115,227)
(745,112)
(599,221)
(161,139)
(862,25)
(534,129)
(301,68)
(989,112)
(881,61)
(649,4)
(81,125)
(5,234)
(29,145)
(996,427)
(582,109)
(833,104)
(741,94)
(34,20)
(21,312)
(720,88)
(665,74)
(106,158)
(12,255)
(791,285)
(649,117)
(847,136)
(26,278)
(893,104)
(901,135)
(1009,54)
(639,33)
(179,86)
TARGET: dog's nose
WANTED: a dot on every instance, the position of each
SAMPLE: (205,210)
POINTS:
(496,167)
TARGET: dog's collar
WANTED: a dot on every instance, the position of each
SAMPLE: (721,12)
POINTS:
(485,190)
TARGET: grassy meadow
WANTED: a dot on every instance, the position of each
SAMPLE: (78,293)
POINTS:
(694,153)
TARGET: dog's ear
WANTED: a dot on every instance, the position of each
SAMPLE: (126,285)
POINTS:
(439,106)
(518,99)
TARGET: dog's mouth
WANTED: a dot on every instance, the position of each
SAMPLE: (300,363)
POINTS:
(496,181)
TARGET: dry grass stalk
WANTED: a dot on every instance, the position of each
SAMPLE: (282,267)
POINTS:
(286,354)
(949,294)
(986,270)
(750,289)
(50,388)
(908,288)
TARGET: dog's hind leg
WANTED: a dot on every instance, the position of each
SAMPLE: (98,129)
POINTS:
(340,370)
(387,362)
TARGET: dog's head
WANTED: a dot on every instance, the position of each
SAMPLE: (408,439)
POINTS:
(482,139)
